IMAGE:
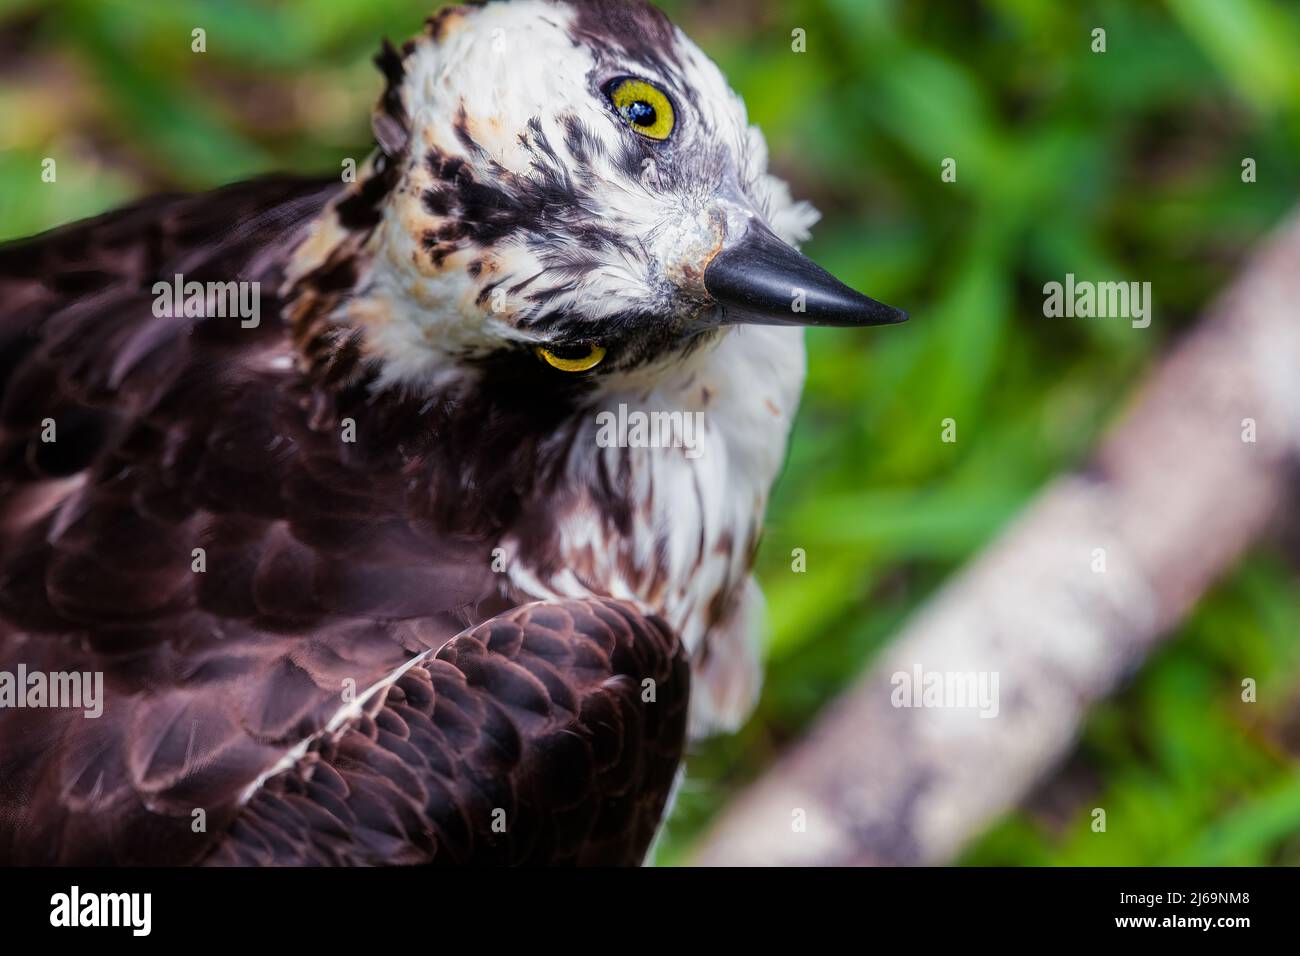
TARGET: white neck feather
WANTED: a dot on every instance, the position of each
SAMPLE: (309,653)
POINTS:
(687,558)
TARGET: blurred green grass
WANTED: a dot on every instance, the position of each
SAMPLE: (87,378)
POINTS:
(1122,165)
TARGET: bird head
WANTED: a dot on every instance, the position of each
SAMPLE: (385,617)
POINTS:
(574,182)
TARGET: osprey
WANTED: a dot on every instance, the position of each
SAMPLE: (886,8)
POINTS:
(311,473)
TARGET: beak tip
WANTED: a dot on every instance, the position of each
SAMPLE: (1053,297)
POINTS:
(854,312)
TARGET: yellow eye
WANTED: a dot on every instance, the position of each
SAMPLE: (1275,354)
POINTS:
(643,107)
(571,363)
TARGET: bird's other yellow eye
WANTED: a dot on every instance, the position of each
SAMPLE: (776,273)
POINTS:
(644,107)
(580,358)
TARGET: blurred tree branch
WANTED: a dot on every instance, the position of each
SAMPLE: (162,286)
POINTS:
(1173,496)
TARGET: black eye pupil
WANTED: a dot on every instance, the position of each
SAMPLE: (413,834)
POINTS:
(641,113)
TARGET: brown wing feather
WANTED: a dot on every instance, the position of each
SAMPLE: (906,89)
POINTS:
(176,434)
(526,740)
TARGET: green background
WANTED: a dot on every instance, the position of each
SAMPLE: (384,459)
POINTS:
(1122,165)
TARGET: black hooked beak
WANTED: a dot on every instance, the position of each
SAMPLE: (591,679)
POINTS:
(762,281)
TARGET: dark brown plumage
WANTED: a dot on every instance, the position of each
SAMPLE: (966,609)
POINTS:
(328,565)
(536,716)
